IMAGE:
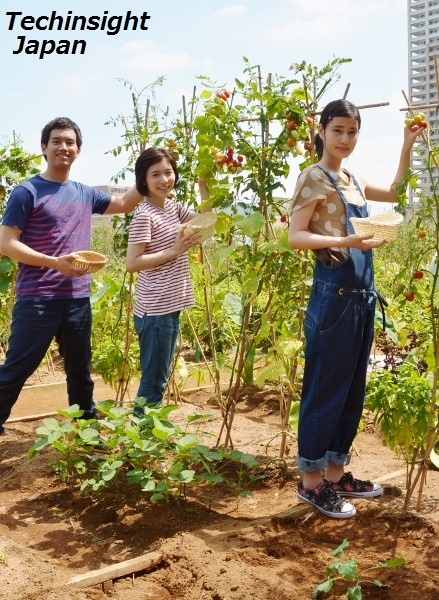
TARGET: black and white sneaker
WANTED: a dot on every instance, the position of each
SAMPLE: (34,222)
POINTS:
(350,487)
(326,500)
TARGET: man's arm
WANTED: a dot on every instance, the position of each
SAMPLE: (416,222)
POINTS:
(124,203)
(10,245)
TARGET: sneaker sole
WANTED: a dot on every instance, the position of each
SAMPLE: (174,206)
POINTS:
(372,494)
(334,515)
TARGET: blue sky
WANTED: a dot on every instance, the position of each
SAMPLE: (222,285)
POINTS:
(200,37)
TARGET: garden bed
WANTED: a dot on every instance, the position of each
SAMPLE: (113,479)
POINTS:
(260,548)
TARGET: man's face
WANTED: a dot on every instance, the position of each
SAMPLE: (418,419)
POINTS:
(61,149)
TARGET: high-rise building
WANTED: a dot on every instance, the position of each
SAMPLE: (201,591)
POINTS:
(423,35)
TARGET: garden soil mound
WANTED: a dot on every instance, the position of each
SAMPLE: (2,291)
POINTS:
(260,548)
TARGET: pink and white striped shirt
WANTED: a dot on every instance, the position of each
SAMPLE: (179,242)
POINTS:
(165,288)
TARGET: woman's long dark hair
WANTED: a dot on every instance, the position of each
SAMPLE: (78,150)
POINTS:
(149,157)
(336,108)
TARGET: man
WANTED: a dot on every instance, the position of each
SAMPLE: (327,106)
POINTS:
(47,220)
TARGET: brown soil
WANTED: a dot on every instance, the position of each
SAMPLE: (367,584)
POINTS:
(261,548)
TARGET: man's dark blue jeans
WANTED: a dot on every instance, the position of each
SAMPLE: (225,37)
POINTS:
(35,323)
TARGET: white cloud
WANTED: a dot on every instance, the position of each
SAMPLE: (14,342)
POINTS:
(348,8)
(144,57)
(330,22)
(80,82)
(238,10)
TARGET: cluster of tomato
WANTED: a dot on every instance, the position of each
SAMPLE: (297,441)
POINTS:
(418,120)
(295,133)
(224,95)
(410,296)
(230,160)
(173,148)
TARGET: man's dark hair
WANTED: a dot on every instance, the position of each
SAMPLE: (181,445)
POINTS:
(60,123)
(150,157)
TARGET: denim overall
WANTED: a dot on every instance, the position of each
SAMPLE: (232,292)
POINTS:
(339,325)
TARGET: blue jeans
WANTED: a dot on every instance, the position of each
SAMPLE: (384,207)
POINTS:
(34,325)
(339,334)
(157,339)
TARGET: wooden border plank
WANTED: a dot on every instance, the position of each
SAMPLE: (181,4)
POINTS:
(141,563)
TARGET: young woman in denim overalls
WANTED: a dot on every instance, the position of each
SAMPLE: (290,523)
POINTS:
(339,319)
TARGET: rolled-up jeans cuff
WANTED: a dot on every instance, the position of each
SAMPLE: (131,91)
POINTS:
(338,458)
(311,466)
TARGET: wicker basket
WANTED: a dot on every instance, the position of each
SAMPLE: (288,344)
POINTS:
(204,223)
(89,261)
(383,226)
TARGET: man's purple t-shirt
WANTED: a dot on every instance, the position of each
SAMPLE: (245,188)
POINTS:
(55,219)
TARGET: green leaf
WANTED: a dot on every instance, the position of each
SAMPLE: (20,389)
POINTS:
(354,593)
(323,588)
(294,415)
(393,563)
(89,435)
(340,550)
(212,477)
(233,307)
(72,412)
(187,476)
(188,441)
(380,584)
(249,225)
(348,570)
(108,474)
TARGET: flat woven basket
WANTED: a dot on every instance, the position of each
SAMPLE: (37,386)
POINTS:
(383,226)
(89,261)
(204,223)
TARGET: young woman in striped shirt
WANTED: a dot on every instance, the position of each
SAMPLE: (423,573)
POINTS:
(157,250)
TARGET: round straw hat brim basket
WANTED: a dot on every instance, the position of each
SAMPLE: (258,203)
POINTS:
(89,261)
(204,223)
(384,226)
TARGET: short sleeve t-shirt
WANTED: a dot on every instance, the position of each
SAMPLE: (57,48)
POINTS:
(55,219)
(166,288)
(329,217)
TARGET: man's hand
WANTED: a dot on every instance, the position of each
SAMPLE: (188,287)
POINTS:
(65,266)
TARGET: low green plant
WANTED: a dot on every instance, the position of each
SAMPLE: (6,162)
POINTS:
(400,400)
(131,457)
(345,569)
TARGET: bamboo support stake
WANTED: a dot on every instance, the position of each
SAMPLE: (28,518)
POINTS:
(184,116)
(193,103)
(360,107)
(419,106)
(194,333)
(206,267)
